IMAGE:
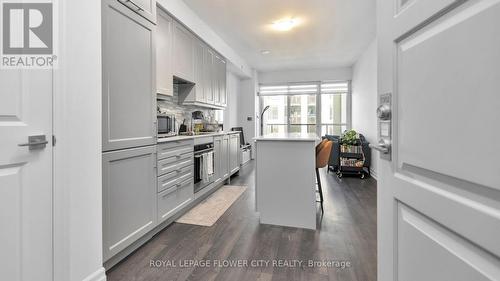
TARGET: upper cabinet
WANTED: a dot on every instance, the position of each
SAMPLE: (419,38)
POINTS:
(183,54)
(164,65)
(220,89)
(128,93)
(199,71)
(210,79)
(208,66)
(145,8)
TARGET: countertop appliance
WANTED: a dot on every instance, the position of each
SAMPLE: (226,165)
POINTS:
(166,125)
(199,150)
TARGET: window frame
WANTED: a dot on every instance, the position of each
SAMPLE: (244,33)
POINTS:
(319,124)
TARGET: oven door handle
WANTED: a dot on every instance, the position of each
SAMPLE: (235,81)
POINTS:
(202,151)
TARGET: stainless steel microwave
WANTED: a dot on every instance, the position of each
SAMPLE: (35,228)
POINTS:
(166,125)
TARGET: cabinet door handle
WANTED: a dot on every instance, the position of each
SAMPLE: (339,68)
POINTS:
(139,8)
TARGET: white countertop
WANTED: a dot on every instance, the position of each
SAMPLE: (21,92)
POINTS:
(288,137)
(177,138)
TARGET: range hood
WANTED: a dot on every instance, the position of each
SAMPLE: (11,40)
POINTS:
(180,81)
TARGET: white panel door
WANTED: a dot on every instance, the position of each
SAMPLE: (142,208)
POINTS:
(439,195)
(25,176)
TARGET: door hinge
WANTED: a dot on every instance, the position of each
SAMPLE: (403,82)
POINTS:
(53,140)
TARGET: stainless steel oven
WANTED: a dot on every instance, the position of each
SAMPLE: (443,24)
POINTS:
(202,163)
(166,125)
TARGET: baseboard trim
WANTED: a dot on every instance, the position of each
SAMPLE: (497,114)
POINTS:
(99,275)
(373,174)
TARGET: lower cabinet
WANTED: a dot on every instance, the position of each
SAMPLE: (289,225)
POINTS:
(145,186)
(175,182)
(225,156)
(175,198)
(221,157)
(129,197)
(234,153)
(218,159)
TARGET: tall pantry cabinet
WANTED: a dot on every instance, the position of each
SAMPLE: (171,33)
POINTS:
(129,123)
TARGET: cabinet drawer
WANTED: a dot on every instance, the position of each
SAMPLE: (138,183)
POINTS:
(173,163)
(185,193)
(174,199)
(173,178)
(174,152)
(166,146)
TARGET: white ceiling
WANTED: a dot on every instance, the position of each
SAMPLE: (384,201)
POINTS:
(333,33)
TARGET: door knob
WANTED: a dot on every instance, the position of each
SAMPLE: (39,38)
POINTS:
(384,112)
(35,142)
(383,146)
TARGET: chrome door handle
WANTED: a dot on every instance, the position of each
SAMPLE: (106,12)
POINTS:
(383,146)
(139,8)
(35,142)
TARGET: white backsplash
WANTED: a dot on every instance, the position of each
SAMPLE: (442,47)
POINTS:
(171,105)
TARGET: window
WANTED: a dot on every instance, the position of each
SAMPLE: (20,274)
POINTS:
(319,107)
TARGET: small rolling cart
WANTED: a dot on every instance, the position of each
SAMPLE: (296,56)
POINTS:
(354,155)
(351,161)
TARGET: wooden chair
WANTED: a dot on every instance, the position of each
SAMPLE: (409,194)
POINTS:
(323,151)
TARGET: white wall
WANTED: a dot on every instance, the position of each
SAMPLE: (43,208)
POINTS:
(305,75)
(77,153)
(233,85)
(364,98)
(185,15)
(247,107)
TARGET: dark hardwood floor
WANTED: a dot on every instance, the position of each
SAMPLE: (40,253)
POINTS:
(347,233)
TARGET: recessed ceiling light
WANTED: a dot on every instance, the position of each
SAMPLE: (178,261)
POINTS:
(285,24)
(265,52)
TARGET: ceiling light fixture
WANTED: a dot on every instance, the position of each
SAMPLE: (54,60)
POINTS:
(265,52)
(285,24)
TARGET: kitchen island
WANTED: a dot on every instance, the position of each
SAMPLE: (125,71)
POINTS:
(285,183)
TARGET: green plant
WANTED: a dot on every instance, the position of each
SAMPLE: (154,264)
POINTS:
(350,137)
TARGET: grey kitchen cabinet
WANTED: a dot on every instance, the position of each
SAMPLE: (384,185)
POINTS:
(218,155)
(209,77)
(128,92)
(129,197)
(209,85)
(221,157)
(225,156)
(145,8)
(183,54)
(234,153)
(175,182)
(164,56)
(220,80)
(223,84)
(174,199)
(194,61)
(216,67)
(195,95)
(199,73)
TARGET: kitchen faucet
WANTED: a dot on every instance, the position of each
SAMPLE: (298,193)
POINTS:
(262,120)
